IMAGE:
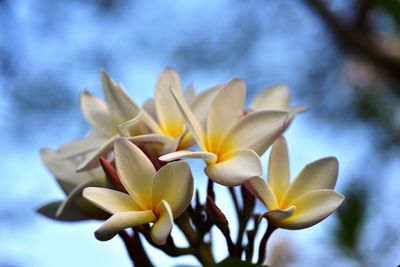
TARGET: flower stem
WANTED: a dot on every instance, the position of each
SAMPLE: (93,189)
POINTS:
(135,249)
(262,252)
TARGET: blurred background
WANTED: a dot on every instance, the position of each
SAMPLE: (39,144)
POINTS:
(341,59)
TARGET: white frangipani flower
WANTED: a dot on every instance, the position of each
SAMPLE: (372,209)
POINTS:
(231,143)
(153,197)
(305,202)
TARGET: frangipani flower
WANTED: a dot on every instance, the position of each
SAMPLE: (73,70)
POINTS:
(154,197)
(160,121)
(103,116)
(305,202)
(74,207)
(232,143)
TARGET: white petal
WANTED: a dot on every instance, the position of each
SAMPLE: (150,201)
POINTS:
(174,184)
(201,104)
(135,171)
(150,107)
(64,170)
(160,230)
(80,147)
(312,208)
(276,97)
(97,114)
(190,94)
(110,200)
(264,191)
(207,156)
(225,110)
(320,174)
(191,122)
(121,106)
(275,217)
(168,113)
(278,168)
(150,138)
(92,159)
(123,220)
(236,167)
(75,198)
(140,124)
(256,131)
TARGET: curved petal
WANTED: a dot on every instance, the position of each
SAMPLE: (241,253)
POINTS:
(264,191)
(201,103)
(190,94)
(64,170)
(97,114)
(79,147)
(278,168)
(174,184)
(74,199)
(160,230)
(276,97)
(320,174)
(206,156)
(73,215)
(168,113)
(121,221)
(121,106)
(142,123)
(190,120)
(150,107)
(110,200)
(236,167)
(135,171)
(256,131)
(312,208)
(150,138)
(92,160)
(224,111)
(275,217)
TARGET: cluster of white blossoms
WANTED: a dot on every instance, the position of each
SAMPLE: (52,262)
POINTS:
(130,171)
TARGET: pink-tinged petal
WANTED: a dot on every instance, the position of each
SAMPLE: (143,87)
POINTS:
(161,229)
(122,220)
(201,104)
(264,192)
(121,106)
(97,114)
(92,159)
(168,113)
(181,154)
(255,131)
(225,110)
(110,200)
(278,168)
(174,184)
(312,208)
(190,119)
(135,171)
(236,167)
(320,174)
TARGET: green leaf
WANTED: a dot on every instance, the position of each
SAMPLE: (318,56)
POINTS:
(229,262)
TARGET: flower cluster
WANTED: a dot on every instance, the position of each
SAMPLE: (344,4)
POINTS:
(129,170)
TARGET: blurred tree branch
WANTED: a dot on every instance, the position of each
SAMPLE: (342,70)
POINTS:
(357,39)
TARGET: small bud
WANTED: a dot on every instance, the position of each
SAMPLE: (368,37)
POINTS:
(217,216)
(112,174)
